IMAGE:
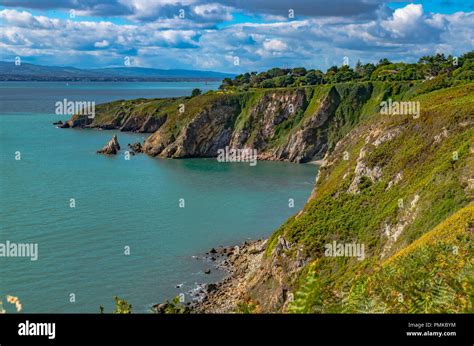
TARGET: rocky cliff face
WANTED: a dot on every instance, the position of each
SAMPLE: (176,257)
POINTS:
(295,125)
(396,188)
(258,126)
(206,131)
(310,141)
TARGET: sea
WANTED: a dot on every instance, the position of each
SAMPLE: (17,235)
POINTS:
(105,226)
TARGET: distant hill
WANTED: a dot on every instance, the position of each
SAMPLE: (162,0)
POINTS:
(30,72)
(152,72)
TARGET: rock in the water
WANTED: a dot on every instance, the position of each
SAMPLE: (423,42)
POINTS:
(111,148)
(136,147)
(207,271)
(58,122)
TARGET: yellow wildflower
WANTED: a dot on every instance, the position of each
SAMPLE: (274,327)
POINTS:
(16,301)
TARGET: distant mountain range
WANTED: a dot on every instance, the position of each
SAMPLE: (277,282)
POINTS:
(30,72)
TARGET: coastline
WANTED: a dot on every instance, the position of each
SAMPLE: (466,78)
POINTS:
(241,263)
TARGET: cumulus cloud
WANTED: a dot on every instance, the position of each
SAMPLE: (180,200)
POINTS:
(197,41)
(25,19)
(409,24)
(275,45)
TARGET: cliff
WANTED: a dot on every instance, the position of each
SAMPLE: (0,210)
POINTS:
(286,124)
(397,189)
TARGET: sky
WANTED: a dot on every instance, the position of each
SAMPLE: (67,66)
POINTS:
(231,35)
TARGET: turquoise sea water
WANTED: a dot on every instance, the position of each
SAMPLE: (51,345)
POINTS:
(119,204)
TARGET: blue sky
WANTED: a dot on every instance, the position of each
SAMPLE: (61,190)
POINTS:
(231,35)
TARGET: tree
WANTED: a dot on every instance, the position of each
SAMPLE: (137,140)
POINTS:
(359,69)
(383,62)
(298,71)
(314,77)
(196,92)
(344,74)
(284,81)
(276,72)
(226,82)
(368,69)
(267,83)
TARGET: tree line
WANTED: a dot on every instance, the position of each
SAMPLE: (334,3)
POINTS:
(427,67)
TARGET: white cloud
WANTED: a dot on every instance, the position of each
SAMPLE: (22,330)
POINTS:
(405,20)
(213,12)
(101,44)
(149,8)
(26,19)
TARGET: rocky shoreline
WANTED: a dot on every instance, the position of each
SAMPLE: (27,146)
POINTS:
(241,263)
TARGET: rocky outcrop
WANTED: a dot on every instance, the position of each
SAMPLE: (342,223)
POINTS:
(111,148)
(209,130)
(138,123)
(310,141)
(271,110)
(81,121)
(151,124)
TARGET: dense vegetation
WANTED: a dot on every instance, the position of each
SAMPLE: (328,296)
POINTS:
(427,67)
